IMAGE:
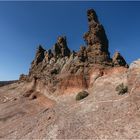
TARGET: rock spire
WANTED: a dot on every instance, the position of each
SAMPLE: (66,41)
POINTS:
(63,70)
(96,40)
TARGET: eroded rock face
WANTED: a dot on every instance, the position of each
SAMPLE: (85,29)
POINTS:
(48,55)
(39,56)
(60,48)
(102,114)
(82,54)
(118,60)
(62,70)
(96,40)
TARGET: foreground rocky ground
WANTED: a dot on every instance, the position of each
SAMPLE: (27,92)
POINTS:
(102,114)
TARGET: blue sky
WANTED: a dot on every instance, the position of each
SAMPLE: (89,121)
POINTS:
(25,25)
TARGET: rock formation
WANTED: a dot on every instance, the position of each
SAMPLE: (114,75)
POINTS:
(118,60)
(91,106)
(62,70)
(48,55)
(82,54)
(39,56)
(96,40)
(60,48)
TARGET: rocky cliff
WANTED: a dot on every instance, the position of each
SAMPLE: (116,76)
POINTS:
(63,70)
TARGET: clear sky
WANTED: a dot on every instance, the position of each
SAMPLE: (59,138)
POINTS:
(25,25)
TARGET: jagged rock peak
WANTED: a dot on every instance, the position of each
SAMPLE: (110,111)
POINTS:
(61,70)
(60,48)
(39,55)
(92,16)
(96,40)
(82,54)
(118,60)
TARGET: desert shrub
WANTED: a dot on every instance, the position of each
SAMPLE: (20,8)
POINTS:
(81,95)
(121,89)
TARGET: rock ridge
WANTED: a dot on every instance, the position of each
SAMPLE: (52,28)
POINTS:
(61,69)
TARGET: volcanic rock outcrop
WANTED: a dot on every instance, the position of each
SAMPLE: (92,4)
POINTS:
(118,60)
(60,48)
(39,56)
(96,40)
(28,110)
(63,70)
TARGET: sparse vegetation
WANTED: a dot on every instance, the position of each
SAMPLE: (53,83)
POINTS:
(121,89)
(81,95)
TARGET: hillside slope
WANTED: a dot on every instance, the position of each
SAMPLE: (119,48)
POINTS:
(103,114)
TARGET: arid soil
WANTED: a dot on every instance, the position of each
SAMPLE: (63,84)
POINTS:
(103,114)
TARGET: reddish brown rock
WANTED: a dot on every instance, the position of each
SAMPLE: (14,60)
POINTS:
(96,40)
(60,70)
(73,84)
(39,56)
(82,54)
(118,60)
(60,48)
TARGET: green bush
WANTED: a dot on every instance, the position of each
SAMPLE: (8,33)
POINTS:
(81,95)
(121,89)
